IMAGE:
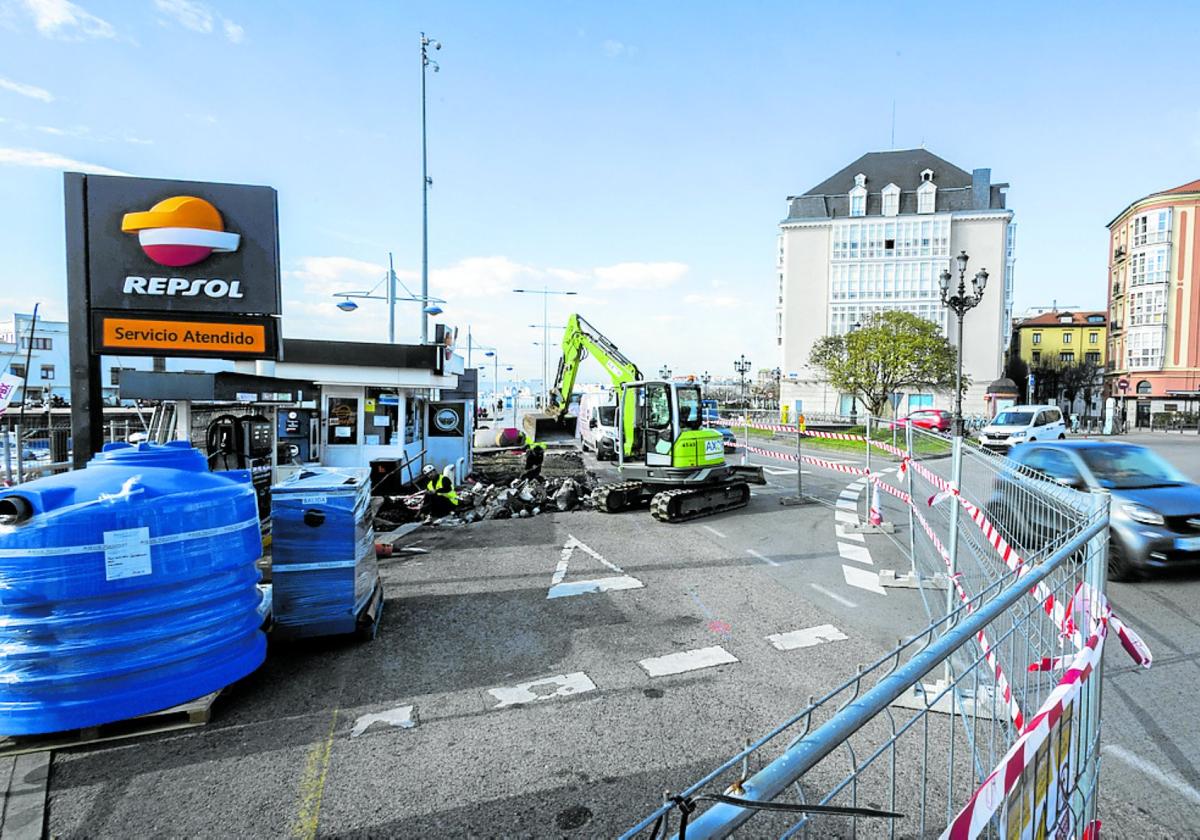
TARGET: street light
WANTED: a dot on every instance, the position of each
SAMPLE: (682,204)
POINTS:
(426,183)
(347,304)
(959,302)
(545,292)
(664,372)
(705,378)
(742,366)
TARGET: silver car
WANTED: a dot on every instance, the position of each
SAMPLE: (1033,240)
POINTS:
(1155,514)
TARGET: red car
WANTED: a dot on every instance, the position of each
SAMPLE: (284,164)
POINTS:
(933,419)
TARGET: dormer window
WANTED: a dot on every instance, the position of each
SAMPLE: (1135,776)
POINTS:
(926,193)
(891,200)
(858,196)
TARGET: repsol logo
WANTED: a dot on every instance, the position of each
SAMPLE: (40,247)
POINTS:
(182,287)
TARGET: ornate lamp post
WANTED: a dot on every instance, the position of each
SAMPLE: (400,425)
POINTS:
(959,301)
(664,372)
(742,366)
(705,378)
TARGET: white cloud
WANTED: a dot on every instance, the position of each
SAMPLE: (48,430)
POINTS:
(705,299)
(233,33)
(639,275)
(51,160)
(138,141)
(31,91)
(67,21)
(201,18)
(194,16)
(612,48)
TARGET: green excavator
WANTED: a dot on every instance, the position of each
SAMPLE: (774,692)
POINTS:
(667,458)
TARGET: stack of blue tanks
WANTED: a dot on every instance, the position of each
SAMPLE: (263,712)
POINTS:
(125,588)
(323,570)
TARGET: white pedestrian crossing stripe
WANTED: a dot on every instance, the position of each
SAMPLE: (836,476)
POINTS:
(562,685)
(688,660)
(863,579)
(808,637)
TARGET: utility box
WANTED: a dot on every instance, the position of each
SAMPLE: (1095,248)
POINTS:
(323,569)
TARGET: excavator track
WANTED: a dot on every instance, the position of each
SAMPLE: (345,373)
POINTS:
(695,502)
(619,496)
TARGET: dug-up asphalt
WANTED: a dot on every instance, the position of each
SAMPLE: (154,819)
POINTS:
(501,698)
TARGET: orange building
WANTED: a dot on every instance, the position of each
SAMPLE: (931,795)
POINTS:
(1154,304)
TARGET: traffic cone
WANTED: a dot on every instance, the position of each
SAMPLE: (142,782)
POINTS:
(875,514)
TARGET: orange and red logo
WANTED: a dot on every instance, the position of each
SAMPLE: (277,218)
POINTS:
(179,231)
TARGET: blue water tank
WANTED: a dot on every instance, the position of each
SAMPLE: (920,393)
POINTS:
(125,588)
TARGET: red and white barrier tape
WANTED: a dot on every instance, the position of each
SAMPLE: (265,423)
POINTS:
(975,816)
(1002,684)
(816,462)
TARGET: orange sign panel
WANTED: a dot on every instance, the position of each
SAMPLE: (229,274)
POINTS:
(207,337)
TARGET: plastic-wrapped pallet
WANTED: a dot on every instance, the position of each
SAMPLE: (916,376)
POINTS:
(324,573)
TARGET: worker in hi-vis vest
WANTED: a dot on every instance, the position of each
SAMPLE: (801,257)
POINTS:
(440,498)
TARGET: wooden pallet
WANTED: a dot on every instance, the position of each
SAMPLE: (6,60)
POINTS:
(184,716)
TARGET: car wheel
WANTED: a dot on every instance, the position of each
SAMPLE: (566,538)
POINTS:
(1118,563)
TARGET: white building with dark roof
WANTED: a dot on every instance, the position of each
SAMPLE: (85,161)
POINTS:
(875,236)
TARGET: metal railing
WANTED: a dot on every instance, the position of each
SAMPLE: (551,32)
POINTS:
(1013,550)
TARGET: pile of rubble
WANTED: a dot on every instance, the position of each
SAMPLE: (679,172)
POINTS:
(523,498)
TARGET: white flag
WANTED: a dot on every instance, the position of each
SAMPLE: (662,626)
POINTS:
(8,387)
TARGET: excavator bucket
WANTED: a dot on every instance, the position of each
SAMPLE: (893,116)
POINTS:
(548,428)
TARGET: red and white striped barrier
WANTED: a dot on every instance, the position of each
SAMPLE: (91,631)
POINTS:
(1054,718)
(816,462)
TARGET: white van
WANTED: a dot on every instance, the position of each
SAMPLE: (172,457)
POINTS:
(596,425)
(1022,424)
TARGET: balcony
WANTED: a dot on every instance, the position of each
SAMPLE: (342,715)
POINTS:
(1119,254)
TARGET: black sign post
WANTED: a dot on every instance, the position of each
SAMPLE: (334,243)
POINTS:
(165,268)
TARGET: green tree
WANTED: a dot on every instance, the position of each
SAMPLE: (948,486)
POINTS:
(892,350)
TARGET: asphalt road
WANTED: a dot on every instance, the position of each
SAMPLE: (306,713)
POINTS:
(488,708)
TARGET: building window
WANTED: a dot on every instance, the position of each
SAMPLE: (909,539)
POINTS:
(47,371)
(160,364)
(1144,349)
(891,200)
(38,343)
(1093,338)
(1037,356)
(858,203)
(1037,338)
(1143,387)
(1066,338)
(926,197)
(1067,356)
(18,370)
(1093,356)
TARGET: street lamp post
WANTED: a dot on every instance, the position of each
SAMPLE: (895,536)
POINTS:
(664,372)
(430,307)
(742,366)
(705,378)
(959,301)
(426,181)
(545,292)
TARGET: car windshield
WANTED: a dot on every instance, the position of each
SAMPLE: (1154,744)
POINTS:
(608,415)
(1013,418)
(689,407)
(1130,468)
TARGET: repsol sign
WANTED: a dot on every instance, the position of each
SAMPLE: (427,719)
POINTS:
(183,287)
(181,246)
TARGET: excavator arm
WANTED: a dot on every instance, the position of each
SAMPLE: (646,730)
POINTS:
(579,341)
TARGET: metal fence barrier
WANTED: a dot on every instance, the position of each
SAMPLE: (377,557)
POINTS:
(1004,558)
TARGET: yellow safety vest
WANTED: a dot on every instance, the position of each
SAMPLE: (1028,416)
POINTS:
(443,486)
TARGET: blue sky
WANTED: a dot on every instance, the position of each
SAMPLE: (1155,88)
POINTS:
(637,153)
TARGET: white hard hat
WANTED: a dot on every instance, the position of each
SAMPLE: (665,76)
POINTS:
(428,469)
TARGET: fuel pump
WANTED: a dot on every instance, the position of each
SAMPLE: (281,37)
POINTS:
(243,443)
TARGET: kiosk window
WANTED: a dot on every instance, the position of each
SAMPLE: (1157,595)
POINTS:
(381,417)
(414,411)
(343,421)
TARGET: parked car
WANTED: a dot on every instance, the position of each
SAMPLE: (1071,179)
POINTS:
(1023,424)
(1155,513)
(932,419)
